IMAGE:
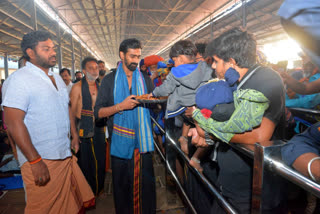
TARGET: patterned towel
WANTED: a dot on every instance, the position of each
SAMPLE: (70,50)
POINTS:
(250,106)
(87,119)
(132,129)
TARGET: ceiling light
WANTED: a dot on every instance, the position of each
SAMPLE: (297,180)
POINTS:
(212,18)
(53,15)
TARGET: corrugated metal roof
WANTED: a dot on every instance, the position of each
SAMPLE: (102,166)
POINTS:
(103,24)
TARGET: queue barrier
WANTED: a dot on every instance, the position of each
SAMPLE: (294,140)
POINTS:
(264,154)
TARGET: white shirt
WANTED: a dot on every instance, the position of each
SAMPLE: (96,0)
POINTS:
(69,87)
(47,116)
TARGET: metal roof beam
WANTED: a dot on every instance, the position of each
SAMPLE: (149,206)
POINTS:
(137,25)
(86,14)
(12,35)
(106,20)
(11,15)
(104,35)
(167,17)
(132,9)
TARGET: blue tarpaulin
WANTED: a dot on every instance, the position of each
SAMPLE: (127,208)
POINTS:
(14,182)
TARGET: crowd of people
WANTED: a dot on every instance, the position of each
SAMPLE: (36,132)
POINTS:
(217,93)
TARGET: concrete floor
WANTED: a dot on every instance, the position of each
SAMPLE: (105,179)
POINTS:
(12,202)
(168,202)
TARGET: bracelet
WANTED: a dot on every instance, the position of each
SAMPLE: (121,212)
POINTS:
(35,161)
(196,160)
(309,167)
(118,109)
(208,140)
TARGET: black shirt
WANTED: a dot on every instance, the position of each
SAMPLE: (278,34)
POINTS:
(235,176)
(105,95)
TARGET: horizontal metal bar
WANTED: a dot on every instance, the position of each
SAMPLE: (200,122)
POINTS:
(228,208)
(276,165)
(303,110)
(284,171)
(293,176)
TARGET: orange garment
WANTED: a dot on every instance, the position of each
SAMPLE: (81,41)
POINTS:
(152,60)
(67,192)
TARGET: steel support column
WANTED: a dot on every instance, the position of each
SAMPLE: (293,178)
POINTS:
(257,183)
(59,48)
(211,25)
(34,15)
(80,55)
(72,60)
(6,66)
(244,15)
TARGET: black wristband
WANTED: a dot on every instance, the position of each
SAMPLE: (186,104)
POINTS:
(208,140)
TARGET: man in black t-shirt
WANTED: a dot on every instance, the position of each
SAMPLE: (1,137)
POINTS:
(237,49)
(130,128)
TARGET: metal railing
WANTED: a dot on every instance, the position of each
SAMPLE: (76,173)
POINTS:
(305,111)
(269,156)
(227,207)
(175,178)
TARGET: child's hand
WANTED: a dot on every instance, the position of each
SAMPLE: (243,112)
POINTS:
(189,111)
(199,130)
(150,95)
(196,139)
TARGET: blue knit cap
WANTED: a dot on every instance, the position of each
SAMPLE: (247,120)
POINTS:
(214,93)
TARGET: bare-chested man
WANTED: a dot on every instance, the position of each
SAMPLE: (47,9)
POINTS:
(92,151)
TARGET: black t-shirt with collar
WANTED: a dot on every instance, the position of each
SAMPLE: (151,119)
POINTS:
(105,96)
(235,175)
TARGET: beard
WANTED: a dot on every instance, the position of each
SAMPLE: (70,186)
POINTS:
(91,77)
(46,63)
(132,66)
(102,72)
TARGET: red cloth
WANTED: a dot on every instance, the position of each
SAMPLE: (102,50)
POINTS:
(206,113)
(152,60)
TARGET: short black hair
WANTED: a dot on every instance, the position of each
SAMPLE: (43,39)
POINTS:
(32,39)
(64,69)
(131,43)
(183,47)
(78,72)
(100,61)
(236,44)
(86,60)
(201,48)
(21,61)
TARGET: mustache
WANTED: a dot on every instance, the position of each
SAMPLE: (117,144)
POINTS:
(53,57)
(136,64)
